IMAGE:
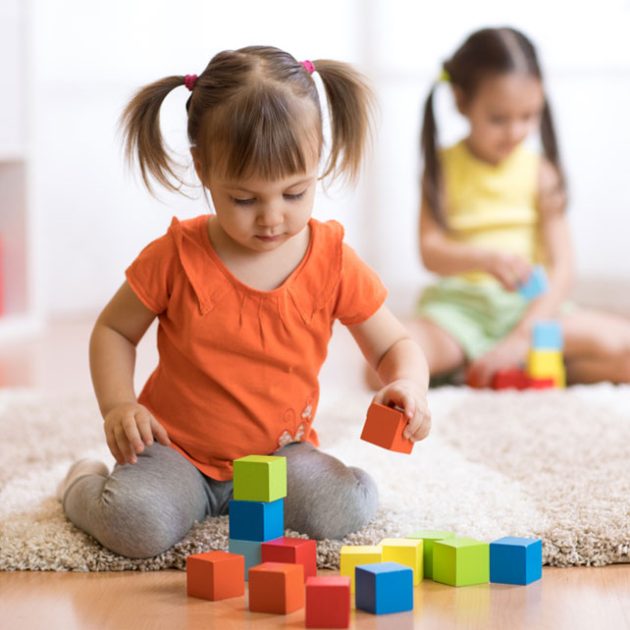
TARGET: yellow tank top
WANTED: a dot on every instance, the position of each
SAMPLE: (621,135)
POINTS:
(492,206)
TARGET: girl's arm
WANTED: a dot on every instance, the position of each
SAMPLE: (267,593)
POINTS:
(400,364)
(558,249)
(118,329)
(444,256)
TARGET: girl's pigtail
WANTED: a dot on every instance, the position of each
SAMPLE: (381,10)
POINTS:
(140,122)
(432,175)
(350,102)
(550,143)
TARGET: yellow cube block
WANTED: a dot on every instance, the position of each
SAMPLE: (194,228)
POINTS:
(352,556)
(547,364)
(405,551)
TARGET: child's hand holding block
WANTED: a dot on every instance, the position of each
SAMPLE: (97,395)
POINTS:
(536,284)
(384,427)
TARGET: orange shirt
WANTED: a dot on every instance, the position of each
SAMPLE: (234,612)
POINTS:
(238,368)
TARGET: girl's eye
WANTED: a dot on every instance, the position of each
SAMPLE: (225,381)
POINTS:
(294,196)
(497,120)
(243,202)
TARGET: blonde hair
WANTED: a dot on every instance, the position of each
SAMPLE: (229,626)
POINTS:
(254,111)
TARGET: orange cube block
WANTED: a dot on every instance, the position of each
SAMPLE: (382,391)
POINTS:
(292,550)
(328,602)
(215,575)
(276,587)
(384,427)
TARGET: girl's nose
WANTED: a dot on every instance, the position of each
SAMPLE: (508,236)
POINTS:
(270,216)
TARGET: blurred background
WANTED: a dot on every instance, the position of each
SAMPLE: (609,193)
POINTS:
(72,217)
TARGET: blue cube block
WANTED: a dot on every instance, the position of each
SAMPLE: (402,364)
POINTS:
(536,283)
(384,587)
(547,336)
(251,549)
(256,520)
(515,560)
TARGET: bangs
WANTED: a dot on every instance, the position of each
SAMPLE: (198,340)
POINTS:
(266,132)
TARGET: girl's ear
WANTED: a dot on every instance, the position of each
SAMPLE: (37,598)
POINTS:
(461,101)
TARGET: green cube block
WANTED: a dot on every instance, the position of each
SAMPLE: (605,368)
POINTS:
(461,561)
(429,536)
(260,478)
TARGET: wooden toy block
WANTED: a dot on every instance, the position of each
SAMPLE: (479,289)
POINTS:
(546,364)
(249,549)
(352,555)
(428,537)
(541,383)
(328,602)
(215,575)
(384,427)
(383,588)
(256,520)
(515,560)
(535,285)
(405,551)
(513,378)
(461,561)
(547,335)
(276,587)
(260,478)
(294,550)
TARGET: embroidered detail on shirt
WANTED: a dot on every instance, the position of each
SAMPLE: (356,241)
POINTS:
(308,411)
(287,438)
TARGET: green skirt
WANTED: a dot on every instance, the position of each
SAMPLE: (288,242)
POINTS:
(477,315)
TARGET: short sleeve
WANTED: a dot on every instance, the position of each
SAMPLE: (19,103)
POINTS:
(150,275)
(361,292)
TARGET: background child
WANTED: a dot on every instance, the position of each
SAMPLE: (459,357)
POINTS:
(491,208)
(246,299)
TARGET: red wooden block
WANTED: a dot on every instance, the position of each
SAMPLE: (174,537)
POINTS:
(384,427)
(541,383)
(215,575)
(328,602)
(292,550)
(276,587)
(512,378)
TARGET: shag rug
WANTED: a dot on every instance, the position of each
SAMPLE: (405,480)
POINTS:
(553,464)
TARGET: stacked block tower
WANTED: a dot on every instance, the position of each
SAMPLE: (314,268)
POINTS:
(257,510)
(545,361)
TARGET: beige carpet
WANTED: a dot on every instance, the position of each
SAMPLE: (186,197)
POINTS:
(548,464)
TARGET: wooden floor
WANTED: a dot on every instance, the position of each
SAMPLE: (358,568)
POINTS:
(573,598)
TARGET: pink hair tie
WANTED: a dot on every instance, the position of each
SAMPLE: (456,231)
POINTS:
(309,66)
(190,80)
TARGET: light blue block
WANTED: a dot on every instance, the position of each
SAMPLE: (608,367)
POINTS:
(384,587)
(251,549)
(547,336)
(515,560)
(536,283)
(256,520)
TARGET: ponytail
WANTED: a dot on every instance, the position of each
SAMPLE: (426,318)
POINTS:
(350,103)
(143,142)
(432,174)
(550,143)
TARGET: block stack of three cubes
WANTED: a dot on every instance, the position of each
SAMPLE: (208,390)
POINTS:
(545,362)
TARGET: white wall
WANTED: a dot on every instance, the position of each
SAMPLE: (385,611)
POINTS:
(87,58)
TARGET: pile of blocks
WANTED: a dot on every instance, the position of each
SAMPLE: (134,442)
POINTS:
(282,572)
(382,576)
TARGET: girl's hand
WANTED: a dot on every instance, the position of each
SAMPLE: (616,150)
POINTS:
(511,352)
(412,399)
(509,269)
(128,428)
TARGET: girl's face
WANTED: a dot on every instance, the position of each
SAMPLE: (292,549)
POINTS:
(261,215)
(504,110)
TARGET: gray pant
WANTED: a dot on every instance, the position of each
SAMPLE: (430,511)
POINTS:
(141,510)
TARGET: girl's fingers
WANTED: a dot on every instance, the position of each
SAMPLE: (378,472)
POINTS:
(131,431)
(113,447)
(143,421)
(129,454)
(160,432)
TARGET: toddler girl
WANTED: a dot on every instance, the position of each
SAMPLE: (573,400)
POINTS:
(491,208)
(246,299)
